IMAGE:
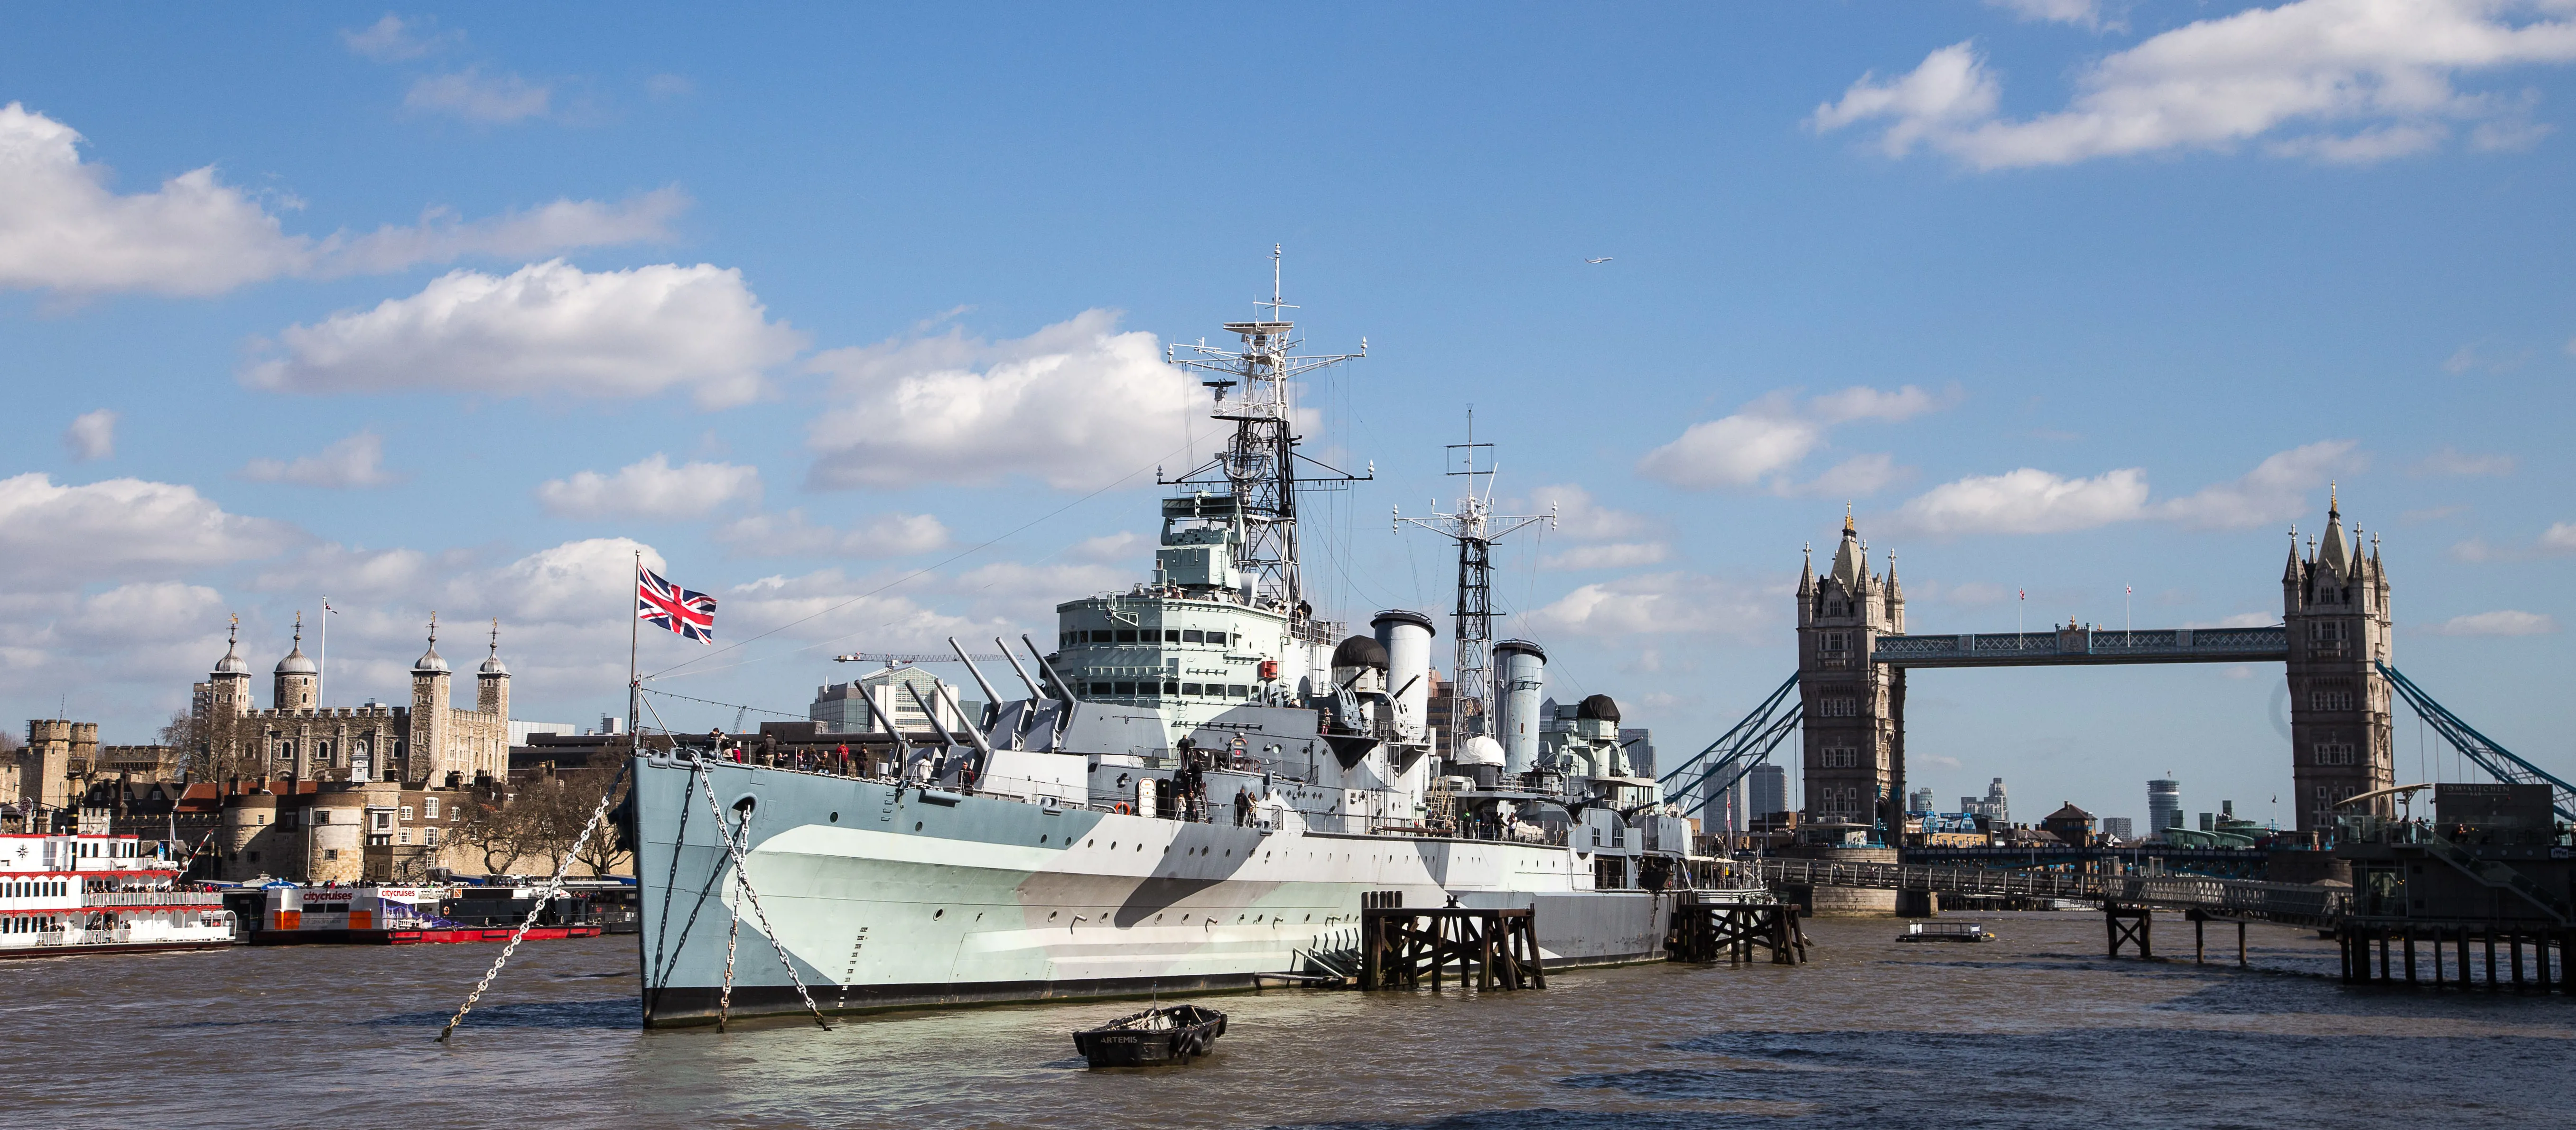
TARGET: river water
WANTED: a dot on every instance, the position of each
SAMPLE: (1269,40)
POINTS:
(2034,1030)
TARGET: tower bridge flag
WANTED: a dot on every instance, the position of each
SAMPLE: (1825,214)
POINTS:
(665,605)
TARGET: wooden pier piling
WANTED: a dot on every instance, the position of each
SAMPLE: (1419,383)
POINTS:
(1488,948)
(1703,932)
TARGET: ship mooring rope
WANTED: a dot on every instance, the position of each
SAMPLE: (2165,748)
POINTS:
(742,874)
(598,816)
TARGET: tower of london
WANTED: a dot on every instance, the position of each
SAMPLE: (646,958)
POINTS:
(429,742)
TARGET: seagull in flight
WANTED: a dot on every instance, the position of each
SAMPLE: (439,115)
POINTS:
(1603,259)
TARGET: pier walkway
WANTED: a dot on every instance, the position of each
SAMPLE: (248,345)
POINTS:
(2292,904)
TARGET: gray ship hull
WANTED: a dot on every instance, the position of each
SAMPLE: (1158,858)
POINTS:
(886,896)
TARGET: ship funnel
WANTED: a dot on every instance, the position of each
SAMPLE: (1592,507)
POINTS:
(1406,636)
(1520,677)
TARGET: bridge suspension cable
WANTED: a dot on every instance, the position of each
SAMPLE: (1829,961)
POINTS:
(2498,761)
(1744,745)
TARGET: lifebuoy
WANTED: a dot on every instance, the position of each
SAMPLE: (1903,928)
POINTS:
(1120,808)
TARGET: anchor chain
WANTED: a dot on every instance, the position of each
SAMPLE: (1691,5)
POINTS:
(743,873)
(598,816)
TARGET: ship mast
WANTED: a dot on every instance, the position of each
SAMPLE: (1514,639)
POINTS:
(1475,527)
(1260,464)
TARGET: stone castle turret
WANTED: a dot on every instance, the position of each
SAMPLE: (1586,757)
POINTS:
(431,730)
(298,678)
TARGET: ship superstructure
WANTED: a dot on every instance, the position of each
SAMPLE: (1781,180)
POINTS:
(92,892)
(1199,785)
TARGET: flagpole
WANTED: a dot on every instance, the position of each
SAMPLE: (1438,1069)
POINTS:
(634,684)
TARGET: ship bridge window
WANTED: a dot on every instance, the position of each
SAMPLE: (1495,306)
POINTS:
(1122,688)
(1171,688)
(1193,635)
(1171,635)
(1239,690)
(1189,688)
(1126,635)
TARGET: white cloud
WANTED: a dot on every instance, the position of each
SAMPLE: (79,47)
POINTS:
(1664,604)
(790,535)
(2453,461)
(547,328)
(1581,516)
(1614,555)
(474,96)
(1121,547)
(2026,501)
(1857,477)
(2501,623)
(2334,80)
(92,435)
(141,613)
(2476,551)
(2086,14)
(651,488)
(1771,436)
(1076,404)
(2560,537)
(2032,501)
(358,461)
(2275,491)
(393,39)
(442,237)
(115,528)
(62,228)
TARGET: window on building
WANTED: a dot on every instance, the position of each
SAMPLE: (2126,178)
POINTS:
(1838,707)
(429,837)
(1837,641)
(321,816)
(2334,753)
(429,807)
(403,837)
(2326,631)
(330,853)
(406,812)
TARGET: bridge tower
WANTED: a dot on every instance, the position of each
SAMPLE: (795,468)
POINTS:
(1853,710)
(2335,604)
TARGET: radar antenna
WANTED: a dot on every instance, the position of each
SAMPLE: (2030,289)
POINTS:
(1475,527)
(1260,466)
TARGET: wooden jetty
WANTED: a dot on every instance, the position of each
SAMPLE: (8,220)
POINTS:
(1705,932)
(1404,948)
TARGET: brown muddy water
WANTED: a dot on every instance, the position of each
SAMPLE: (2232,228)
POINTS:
(2034,1030)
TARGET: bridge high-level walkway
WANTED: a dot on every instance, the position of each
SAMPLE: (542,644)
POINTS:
(2291,904)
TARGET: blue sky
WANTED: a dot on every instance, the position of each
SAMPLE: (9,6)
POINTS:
(862,310)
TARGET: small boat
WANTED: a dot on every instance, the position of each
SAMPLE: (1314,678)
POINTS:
(1169,1034)
(1945,932)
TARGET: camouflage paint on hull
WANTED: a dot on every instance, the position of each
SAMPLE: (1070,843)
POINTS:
(889,896)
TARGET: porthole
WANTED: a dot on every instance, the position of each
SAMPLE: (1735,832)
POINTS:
(1113,845)
(1091,843)
(939,913)
(1051,915)
(836,818)
(1041,838)
(916,825)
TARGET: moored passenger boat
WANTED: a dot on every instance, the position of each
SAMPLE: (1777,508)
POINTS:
(87,894)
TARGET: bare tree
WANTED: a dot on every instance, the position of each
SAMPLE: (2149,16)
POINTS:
(494,825)
(582,792)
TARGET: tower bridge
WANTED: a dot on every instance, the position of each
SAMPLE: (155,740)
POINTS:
(2334,643)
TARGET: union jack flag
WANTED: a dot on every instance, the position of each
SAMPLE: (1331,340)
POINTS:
(665,605)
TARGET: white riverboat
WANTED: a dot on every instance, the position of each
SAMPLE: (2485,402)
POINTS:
(84,894)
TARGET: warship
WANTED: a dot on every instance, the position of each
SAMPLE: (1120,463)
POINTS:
(1200,785)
